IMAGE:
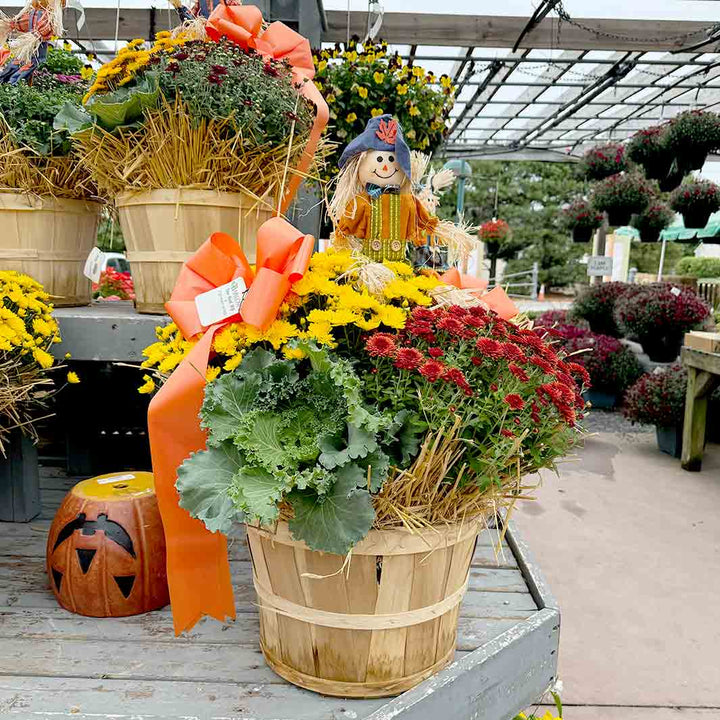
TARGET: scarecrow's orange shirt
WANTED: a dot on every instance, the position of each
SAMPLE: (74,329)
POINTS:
(415,220)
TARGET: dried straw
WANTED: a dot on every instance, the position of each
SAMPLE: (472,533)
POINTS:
(26,171)
(174,149)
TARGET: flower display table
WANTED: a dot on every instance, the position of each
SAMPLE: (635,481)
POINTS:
(703,377)
(507,646)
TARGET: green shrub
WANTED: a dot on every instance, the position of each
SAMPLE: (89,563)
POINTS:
(699,267)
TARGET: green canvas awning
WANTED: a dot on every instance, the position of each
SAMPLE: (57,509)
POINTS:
(678,231)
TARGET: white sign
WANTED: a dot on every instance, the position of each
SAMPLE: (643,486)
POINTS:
(221,303)
(94,264)
(115,478)
(676,291)
(599,265)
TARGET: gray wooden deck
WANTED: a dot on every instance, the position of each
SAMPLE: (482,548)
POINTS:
(56,664)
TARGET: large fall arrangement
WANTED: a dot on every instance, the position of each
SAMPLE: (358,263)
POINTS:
(372,404)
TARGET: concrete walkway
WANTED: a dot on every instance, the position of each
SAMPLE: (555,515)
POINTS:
(630,544)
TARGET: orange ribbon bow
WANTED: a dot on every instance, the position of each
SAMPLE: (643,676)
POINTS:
(243,24)
(497,299)
(197,564)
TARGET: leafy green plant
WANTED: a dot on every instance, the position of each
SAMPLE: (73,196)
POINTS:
(61,62)
(284,430)
(699,267)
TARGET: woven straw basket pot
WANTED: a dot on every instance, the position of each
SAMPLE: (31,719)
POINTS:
(375,629)
(163,228)
(49,239)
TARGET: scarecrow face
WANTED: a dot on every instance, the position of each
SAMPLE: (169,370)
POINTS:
(381,168)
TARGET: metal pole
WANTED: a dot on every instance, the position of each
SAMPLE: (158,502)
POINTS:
(662,260)
(535,281)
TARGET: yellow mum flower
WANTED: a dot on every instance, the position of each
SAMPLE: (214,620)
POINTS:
(399,268)
(322,333)
(402,89)
(351,117)
(148,386)
(376,112)
(414,110)
(378,77)
(280,332)
(445,81)
(42,358)
(225,343)
(368,324)
(233,362)
(211,373)
(72,378)
(362,92)
(293,353)
(392,316)
(162,35)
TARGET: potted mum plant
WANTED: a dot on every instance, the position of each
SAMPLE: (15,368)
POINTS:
(493,233)
(596,305)
(47,210)
(602,161)
(582,219)
(696,201)
(659,399)
(360,414)
(691,135)
(659,315)
(363,80)
(651,221)
(620,196)
(193,136)
(648,148)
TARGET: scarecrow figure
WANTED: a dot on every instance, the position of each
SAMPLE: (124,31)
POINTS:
(34,26)
(199,9)
(374,208)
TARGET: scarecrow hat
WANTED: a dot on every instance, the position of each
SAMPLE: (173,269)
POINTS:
(381,133)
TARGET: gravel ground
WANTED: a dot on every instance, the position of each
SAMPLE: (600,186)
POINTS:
(613,422)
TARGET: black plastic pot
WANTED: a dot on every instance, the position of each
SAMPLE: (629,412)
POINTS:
(671,180)
(696,218)
(662,348)
(619,217)
(649,235)
(669,439)
(582,234)
(600,399)
(691,159)
(658,168)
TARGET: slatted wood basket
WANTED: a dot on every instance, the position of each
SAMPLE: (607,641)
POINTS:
(376,629)
(163,228)
(49,239)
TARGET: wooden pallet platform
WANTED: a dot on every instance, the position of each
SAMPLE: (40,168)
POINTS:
(56,664)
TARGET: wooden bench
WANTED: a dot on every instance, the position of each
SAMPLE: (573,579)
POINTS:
(703,377)
(54,663)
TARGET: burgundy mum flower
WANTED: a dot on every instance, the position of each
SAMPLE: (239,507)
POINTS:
(215,79)
(432,370)
(518,372)
(453,326)
(180,56)
(421,313)
(454,375)
(173,67)
(514,401)
(507,433)
(541,363)
(408,359)
(381,345)
(219,69)
(435,352)
(268,69)
(512,352)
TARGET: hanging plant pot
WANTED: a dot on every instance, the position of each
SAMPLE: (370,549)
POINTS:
(696,218)
(692,159)
(649,235)
(669,439)
(715,240)
(671,180)
(619,217)
(658,167)
(582,234)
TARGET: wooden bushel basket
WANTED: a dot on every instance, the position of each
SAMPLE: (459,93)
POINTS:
(163,228)
(374,629)
(49,239)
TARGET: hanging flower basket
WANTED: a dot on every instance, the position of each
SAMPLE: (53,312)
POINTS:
(696,201)
(691,135)
(620,196)
(648,148)
(582,219)
(672,180)
(494,231)
(603,161)
(652,221)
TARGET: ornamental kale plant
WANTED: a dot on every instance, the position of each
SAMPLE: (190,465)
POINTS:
(295,432)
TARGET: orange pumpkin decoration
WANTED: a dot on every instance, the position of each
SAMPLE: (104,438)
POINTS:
(106,548)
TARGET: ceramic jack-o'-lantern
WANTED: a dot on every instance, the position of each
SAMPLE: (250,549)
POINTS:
(106,548)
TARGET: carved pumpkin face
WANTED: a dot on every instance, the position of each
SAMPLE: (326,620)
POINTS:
(106,548)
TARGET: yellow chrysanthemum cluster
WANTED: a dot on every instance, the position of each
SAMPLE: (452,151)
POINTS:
(131,59)
(27,327)
(325,306)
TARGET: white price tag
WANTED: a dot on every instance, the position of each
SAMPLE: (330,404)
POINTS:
(93,264)
(675,291)
(115,478)
(221,303)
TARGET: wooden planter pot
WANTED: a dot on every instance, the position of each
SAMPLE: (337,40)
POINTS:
(376,629)
(49,239)
(163,228)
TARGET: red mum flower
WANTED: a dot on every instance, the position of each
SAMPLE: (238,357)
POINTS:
(454,375)
(476,360)
(453,326)
(421,329)
(435,352)
(423,314)
(499,330)
(408,359)
(458,311)
(476,321)
(580,371)
(491,348)
(512,352)
(514,401)
(518,372)
(507,433)
(543,364)
(493,387)
(432,370)
(381,345)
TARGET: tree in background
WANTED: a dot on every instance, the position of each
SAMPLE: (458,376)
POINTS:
(530,196)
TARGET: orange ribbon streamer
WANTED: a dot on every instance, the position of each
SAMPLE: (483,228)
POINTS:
(243,24)
(197,564)
(497,299)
